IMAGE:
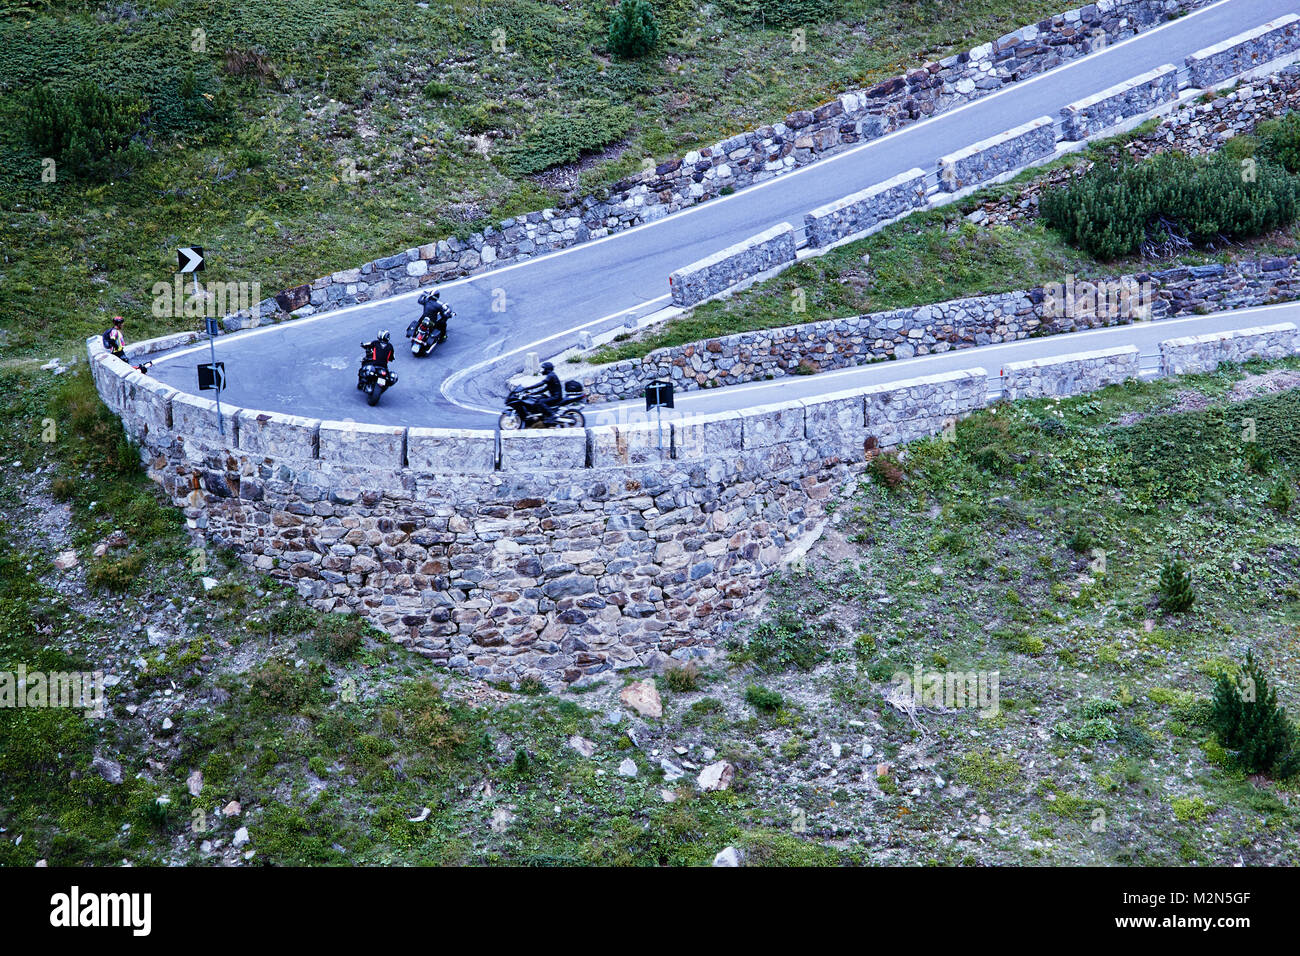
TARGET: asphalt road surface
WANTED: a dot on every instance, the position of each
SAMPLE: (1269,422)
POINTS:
(308,366)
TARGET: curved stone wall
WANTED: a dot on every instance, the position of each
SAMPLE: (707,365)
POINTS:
(557,554)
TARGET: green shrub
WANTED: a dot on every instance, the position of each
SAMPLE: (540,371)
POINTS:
(763,699)
(1081,541)
(1279,140)
(1176,592)
(1281,498)
(779,13)
(1249,723)
(682,679)
(1169,201)
(560,138)
(632,29)
(276,686)
(886,469)
(86,130)
(791,640)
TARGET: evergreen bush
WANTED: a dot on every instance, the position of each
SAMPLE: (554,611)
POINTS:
(1249,723)
(1170,202)
(632,29)
(1176,592)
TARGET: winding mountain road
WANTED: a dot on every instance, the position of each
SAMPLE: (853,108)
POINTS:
(307,366)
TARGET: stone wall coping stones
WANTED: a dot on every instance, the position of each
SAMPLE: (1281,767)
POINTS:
(278,435)
(630,443)
(558,449)
(1141,94)
(726,268)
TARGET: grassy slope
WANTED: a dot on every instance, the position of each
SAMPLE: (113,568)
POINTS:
(256,173)
(331,738)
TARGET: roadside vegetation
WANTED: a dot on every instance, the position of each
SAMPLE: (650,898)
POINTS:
(1120,216)
(292,138)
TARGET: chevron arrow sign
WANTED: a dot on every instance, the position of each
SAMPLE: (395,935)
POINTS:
(190,259)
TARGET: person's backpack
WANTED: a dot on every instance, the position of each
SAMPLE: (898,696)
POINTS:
(107,339)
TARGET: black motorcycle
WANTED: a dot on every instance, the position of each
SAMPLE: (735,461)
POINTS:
(374,380)
(525,409)
(423,339)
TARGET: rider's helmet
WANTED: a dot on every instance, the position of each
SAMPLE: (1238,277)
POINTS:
(547,368)
(117,320)
(383,335)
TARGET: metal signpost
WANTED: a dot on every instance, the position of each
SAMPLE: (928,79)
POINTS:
(189,259)
(659,395)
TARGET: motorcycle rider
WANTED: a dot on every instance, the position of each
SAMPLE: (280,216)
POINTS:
(546,394)
(434,311)
(379,352)
(114,340)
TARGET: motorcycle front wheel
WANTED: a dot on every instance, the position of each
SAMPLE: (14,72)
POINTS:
(510,421)
(372,395)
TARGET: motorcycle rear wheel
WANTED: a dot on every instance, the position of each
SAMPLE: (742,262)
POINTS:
(372,395)
(510,421)
(572,418)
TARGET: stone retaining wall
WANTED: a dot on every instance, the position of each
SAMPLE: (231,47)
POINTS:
(579,551)
(733,265)
(862,210)
(1069,374)
(1205,353)
(1239,54)
(803,137)
(1093,114)
(1003,153)
(958,323)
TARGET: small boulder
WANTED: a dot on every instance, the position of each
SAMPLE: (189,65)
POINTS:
(110,770)
(627,768)
(716,776)
(643,697)
(582,745)
(729,857)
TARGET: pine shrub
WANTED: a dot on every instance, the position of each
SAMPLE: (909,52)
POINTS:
(1279,140)
(86,130)
(779,13)
(557,139)
(1170,201)
(1176,592)
(632,29)
(1249,723)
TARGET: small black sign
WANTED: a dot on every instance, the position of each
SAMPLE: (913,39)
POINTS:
(189,259)
(212,375)
(214,325)
(658,394)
